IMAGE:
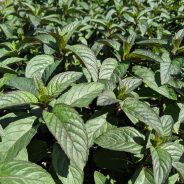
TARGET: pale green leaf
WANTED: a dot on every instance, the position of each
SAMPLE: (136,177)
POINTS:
(81,95)
(37,65)
(17,136)
(23,172)
(125,139)
(87,56)
(68,128)
(17,98)
(143,112)
(61,81)
(162,165)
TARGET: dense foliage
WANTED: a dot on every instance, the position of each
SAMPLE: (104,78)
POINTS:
(91,91)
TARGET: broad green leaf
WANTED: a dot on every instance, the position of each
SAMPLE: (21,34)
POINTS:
(17,136)
(86,55)
(24,84)
(81,95)
(130,83)
(107,68)
(120,71)
(143,112)
(125,139)
(161,164)
(68,128)
(67,172)
(145,54)
(106,98)
(179,166)
(173,179)
(37,65)
(23,172)
(148,77)
(167,124)
(61,81)
(6,28)
(68,30)
(17,98)
(142,176)
(96,127)
(175,150)
(177,39)
(100,178)
(22,155)
(49,70)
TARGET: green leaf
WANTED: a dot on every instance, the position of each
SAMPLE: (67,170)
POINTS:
(23,172)
(37,65)
(111,43)
(130,83)
(12,60)
(148,77)
(67,172)
(17,98)
(100,178)
(68,30)
(173,179)
(125,139)
(142,176)
(69,130)
(167,124)
(61,81)
(145,54)
(175,150)
(161,164)
(179,166)
(107,68)
(152,42)
(96,127)
(106,98)
(165,69)
(17,136)
(81,95)
(24,84)
(86,55)
(143,112)
(22,155)
(120,71)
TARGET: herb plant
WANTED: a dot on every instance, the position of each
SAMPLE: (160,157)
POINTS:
(91,92)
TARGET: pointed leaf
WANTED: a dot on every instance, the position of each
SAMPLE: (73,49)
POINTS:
(17,98)
(23,172)
(81,95)
(161,165)
(87,56)
(107,68)
(122,139)
(69,130)
(17,136)
(67,172)
(37,65)
(142,112)
(61,81)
